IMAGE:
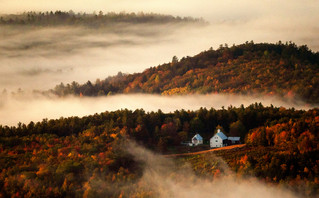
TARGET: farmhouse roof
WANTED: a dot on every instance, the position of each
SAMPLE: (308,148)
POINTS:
(198,137)
(222,135)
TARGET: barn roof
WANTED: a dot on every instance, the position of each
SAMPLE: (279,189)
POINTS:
(234,138)
(222,135)
(198,137)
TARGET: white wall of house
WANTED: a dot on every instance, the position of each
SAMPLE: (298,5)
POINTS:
(216,141)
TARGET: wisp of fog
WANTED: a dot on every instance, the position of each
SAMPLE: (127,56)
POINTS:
(25,108)
(163,177)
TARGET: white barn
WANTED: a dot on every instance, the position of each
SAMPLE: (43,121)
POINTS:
(218,140)
(197,139)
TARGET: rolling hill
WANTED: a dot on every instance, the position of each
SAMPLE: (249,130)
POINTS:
(280,69)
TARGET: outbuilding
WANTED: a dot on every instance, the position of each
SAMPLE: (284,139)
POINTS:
(234,140)
(197,140)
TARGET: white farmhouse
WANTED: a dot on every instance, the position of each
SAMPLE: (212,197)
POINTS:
(218,140)
(197,139)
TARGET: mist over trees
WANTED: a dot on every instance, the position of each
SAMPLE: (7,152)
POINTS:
(91,19)
(271,69)
(152,127)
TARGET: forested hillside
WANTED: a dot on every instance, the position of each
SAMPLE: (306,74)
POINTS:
(89,156)
(156,128)
(271,69)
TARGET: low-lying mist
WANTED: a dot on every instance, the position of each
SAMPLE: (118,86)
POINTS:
(26,107)
(42,57)
(165,179)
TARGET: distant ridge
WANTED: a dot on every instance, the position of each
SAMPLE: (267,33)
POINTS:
(92,19)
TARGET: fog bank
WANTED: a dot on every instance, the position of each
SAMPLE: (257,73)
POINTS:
(44,57)
(26,108)
(40,58)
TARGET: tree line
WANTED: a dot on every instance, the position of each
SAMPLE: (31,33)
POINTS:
(91,19)
(166,129)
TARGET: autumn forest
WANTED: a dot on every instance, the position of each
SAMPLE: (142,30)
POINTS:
(269,69)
